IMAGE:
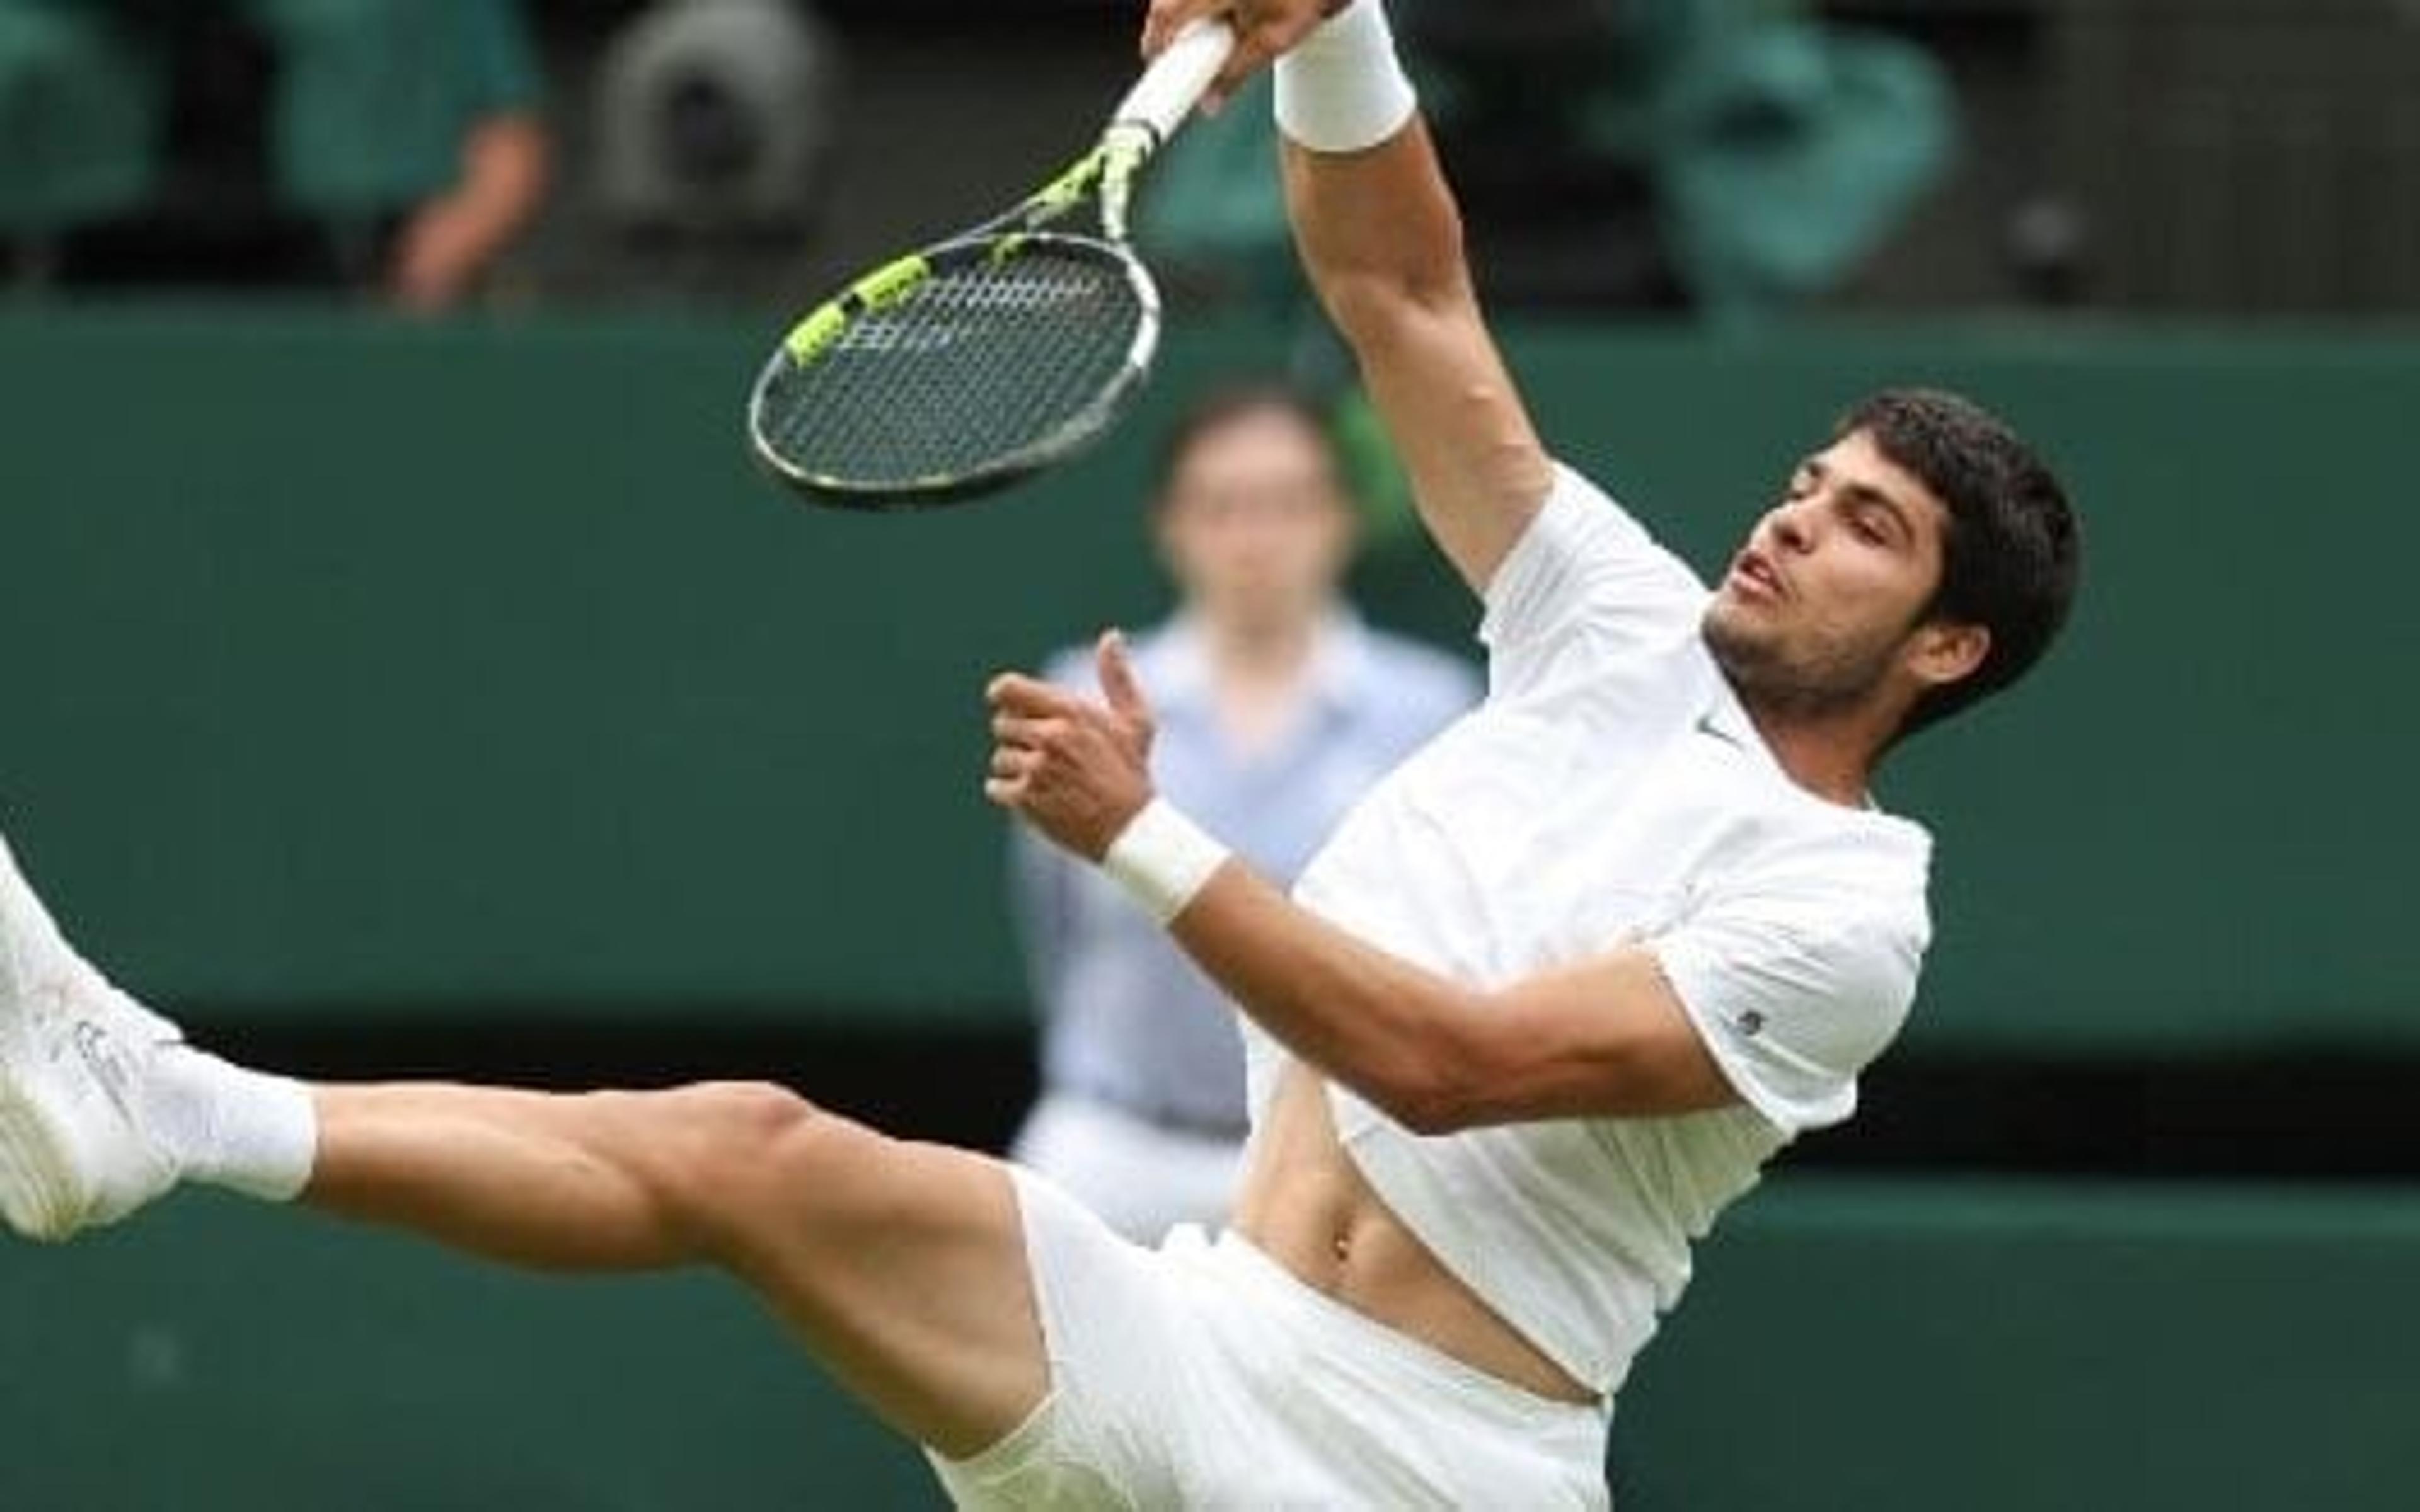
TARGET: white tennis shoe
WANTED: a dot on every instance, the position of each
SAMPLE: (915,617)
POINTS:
(74,1148)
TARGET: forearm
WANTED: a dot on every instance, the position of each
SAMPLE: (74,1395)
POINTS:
(1373,220)
(1379,233)
(1371,1020)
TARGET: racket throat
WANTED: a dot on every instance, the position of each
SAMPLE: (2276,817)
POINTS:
(1124,149)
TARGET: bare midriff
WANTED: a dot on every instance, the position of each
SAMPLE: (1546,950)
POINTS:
(1305,1204)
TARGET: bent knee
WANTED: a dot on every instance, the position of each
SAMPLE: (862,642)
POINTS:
(727,1129)
(744,1111)
(738,1146)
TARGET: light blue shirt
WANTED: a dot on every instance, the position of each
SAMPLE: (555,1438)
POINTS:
(1127,1020)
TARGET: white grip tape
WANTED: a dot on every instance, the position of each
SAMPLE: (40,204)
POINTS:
(1175,80)
(1162,858)
(1342,89)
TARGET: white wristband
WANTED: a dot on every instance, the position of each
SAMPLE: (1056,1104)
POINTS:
(1162,859)
(1342,88)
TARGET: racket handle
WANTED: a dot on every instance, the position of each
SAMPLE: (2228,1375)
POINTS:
(1176,78)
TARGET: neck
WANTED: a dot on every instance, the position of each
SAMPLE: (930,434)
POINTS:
(1261,652)
(1831,755)
(1261,679)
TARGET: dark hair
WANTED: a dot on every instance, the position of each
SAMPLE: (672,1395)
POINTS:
(2010,555)
(1219,406)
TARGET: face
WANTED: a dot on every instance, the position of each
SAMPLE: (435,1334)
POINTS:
(1818,613)
(1254,526)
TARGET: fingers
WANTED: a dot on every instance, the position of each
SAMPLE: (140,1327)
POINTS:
(1016,756)
(1023,743)
(1264,29)
(1257,45)
(1049,743)
(1012,732)
(1115,669)
(1011,775)
(1016,693)
(1166,17)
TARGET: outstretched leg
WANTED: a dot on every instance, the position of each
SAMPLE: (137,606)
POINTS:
(900,1266)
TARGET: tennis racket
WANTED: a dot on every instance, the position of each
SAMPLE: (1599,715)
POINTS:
(1009,347)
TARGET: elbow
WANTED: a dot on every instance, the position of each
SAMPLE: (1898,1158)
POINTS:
(1377,308)
(1431,1112)
(1445,1104)
(1434,1088)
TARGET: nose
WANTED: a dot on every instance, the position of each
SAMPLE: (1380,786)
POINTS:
(1791,524)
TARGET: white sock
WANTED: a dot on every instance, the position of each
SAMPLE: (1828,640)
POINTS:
(244,1129)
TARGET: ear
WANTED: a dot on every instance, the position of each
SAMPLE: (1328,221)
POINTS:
(1943,651)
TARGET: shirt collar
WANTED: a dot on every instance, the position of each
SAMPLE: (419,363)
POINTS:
(1726,718)
(1338,674)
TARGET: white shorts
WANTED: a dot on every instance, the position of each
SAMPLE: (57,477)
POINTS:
(1204,1375)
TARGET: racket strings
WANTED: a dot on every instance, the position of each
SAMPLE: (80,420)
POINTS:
(990,359)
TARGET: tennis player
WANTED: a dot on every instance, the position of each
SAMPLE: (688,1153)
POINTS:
(1543,1006)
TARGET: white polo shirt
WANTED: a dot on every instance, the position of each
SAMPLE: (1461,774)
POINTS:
(1611,789)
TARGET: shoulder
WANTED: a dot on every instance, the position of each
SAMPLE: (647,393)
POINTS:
(1583,550)
(1852,874)
(1579,512)
(1814,939)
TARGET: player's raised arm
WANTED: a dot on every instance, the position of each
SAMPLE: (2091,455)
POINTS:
(1381,239)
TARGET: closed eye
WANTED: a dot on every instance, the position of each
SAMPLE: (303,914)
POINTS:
(1874,517)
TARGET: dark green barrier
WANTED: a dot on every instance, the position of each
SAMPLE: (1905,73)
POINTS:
(1905,1346)
(445,668)
(1848,1347)
(213,1358)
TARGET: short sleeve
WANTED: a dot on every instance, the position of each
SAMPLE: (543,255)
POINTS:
(1584,570)
(1795,993)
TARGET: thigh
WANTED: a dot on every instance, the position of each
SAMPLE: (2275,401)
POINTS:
(902,1265)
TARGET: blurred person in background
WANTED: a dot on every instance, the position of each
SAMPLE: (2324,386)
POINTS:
(387,146)
(1278,705)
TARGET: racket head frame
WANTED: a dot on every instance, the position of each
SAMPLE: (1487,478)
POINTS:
(896,282)
(1104,177)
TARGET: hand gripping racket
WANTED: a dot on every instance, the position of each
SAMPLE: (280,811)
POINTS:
(1000,351)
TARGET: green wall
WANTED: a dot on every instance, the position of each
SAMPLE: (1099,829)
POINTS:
(1917,1344)
(445,668)
(1849,1347)
(222,1360)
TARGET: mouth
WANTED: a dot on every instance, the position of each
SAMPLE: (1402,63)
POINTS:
(1753,573)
